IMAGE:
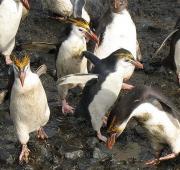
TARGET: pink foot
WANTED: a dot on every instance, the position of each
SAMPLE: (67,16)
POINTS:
(153,162)
(66,108)
(8,60)
(126,86)
(24,154)
(41,134)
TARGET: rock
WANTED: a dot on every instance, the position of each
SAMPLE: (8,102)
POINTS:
(74,155)
(6,157)
(91,142)
(98,154)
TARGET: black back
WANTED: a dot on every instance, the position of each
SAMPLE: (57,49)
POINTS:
(126,104)
(1,1)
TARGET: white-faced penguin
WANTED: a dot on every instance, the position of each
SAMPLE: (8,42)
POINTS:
(11,12)
(99,94)
(69,58)
(173,59)
(153,111)
(116,30)
(29,108)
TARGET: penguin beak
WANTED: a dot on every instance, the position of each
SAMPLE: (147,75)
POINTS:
(22,76)
(26,4)
(111,140)
(90,35)
(137,64)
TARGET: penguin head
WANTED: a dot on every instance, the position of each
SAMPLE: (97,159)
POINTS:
(125,59)
(118,5)
(81,28)
(25,4)
(21,66)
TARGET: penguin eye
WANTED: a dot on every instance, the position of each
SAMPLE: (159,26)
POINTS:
(80,29)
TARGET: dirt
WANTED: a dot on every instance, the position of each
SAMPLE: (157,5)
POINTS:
(72,144)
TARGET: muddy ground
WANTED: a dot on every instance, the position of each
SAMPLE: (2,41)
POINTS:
(72,144)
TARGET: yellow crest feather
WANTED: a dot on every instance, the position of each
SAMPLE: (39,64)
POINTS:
(22,62)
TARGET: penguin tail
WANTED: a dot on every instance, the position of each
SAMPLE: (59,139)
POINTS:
(75,79)
(91,57)
(41,70)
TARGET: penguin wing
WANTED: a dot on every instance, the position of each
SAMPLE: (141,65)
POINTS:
(164,101)
(76,79)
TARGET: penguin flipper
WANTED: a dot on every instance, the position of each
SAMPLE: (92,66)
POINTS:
(91,57)
(76,79)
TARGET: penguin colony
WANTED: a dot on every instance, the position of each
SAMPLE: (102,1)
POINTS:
(113,58)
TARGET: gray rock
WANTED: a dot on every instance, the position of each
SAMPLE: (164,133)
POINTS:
(98,154)
(74,155)
(91,142)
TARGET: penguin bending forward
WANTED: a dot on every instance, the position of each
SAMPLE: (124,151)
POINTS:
(153,111)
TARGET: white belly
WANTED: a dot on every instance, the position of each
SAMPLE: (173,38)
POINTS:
(121,33)
(28,105)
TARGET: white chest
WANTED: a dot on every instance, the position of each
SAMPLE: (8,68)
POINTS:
(120,33)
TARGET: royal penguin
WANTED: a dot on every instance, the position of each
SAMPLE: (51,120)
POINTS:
(116,30)
(29,108)
(172,61)
(11,12)
(69,59)
(100,92)
(154,112)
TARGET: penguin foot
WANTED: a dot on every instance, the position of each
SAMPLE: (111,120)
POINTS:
(24,154)
(126,86)
(41,134)
(101,137)
(153,162)
(8,60)
(66,108)
(163,158)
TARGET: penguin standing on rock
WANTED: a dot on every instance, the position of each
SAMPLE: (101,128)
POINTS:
(69,59)
(100,92)
(29,108)
(173,59)
(11,12)
(153,111)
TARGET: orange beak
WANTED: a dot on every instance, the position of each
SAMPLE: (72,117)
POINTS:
(92,36)
(22,76)
(111,140)
(26,4)
(137,64)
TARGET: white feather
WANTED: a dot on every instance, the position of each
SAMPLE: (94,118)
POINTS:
(76,79)
(10,16)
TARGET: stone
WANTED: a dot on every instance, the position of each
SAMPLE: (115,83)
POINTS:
(74,155)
